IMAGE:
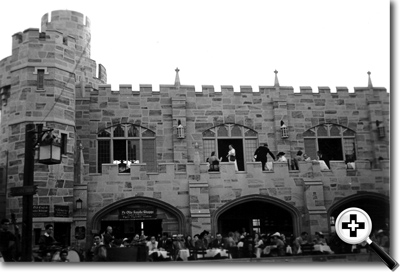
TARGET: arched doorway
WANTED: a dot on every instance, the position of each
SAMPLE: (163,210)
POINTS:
(257,213)
(376,205)
(139,214)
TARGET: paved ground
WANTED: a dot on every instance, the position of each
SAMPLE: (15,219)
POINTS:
(361,257)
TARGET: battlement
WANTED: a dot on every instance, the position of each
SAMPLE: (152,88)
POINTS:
(63,16)
(35,36)
(228,90)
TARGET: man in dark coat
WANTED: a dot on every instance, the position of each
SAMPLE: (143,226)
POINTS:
(217,242)
(7,241)
(261,155)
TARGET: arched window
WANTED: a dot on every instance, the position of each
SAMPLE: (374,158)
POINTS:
(244,140)
(335,142)
(127,142)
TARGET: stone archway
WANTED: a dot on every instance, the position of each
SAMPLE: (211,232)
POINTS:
(295,214)
(96,220)
(375,204)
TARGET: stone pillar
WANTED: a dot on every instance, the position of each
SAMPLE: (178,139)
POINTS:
(199,204)
(379,145)
(180,148)
(315,206)
(281,114)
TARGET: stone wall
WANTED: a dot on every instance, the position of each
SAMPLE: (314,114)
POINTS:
(261,111)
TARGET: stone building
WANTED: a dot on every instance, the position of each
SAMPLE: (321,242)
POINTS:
(163,183)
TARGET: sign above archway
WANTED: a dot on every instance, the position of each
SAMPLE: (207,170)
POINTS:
(144,212)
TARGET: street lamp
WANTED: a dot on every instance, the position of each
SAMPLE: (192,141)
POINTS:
(48,155)
(49,149)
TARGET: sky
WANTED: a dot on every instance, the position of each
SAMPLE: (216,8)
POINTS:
(310,43)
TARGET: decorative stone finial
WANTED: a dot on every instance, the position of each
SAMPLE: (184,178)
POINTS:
(276,84)
(369,80)
(177,81)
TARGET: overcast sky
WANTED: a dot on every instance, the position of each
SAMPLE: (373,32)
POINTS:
(310,43)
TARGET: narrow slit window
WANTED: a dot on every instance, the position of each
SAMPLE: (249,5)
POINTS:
(64,142)
(40,79)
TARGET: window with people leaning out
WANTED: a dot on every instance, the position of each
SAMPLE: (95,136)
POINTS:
(330,142)
(229,142)
(126,144)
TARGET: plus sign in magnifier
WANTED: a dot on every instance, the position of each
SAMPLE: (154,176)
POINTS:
(354,226)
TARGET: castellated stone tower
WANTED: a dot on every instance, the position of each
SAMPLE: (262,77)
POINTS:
(39,83)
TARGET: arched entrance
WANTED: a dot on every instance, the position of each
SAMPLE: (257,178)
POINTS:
(139,214)
(257,213)
(376,205)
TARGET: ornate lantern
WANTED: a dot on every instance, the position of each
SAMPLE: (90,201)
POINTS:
(180,130)
(78,204)
(49,149)
(284,130)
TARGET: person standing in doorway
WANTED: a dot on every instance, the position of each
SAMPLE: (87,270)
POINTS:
(261,155)
(232,156)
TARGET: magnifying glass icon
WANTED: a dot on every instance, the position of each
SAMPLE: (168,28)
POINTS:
(354,226)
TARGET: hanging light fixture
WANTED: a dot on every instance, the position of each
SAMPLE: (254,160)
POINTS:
(284,130)
(49,149)
(180,130)
(78,204)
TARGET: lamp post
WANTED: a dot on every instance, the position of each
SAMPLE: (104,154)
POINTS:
(28,189)
(27,200)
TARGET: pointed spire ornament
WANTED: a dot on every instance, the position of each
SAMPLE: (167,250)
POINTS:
(276,84)
(177,81)
(369,80)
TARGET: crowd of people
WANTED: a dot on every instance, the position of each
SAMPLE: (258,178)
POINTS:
(168,247)
(261,154)
(237,245)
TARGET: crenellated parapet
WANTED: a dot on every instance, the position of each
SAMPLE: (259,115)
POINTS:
(70,23)
(229,90)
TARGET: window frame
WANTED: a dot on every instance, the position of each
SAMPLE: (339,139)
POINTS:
(64,143)
(139,137)
(230,126)
(328,127)
(40,73)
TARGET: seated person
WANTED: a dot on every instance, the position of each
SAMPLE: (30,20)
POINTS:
(350,161)
(165,243)
(213,162)
(297,158)
(299,241)
(281,157)
(319,239)
(278,246)
(152,244)
(217,242)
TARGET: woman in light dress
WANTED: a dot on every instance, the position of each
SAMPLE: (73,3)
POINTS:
(232,156)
